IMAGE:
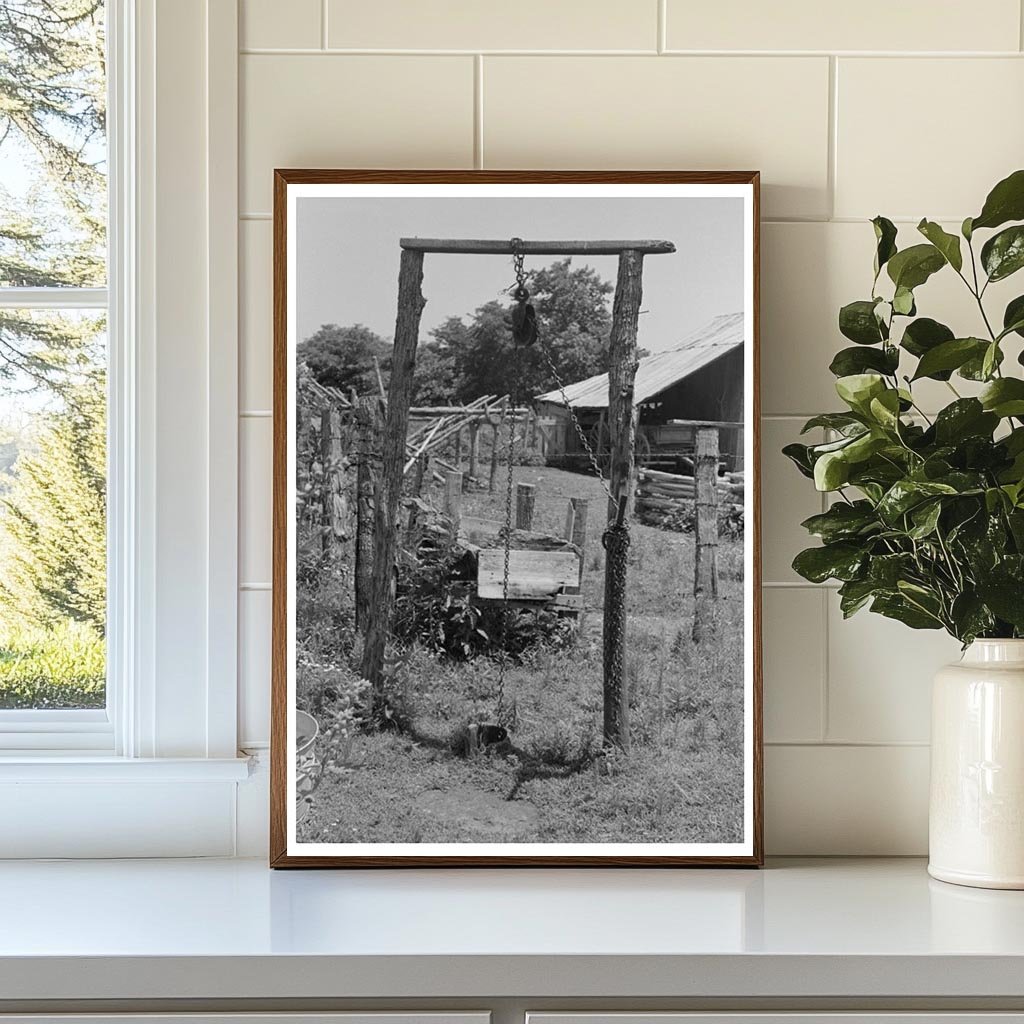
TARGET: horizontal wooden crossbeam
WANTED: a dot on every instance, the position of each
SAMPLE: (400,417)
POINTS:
(503,247)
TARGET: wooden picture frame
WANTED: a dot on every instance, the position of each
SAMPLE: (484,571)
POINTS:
(618,421)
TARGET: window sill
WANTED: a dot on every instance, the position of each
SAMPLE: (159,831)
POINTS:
(77,766)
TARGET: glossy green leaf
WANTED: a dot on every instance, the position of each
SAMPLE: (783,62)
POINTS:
(1005,202)
(831,471)
(990,360)
(899,608)
(857,321)
(885,238)
(854,360)
(854,594)
(971,616)
(947,244)
(924,334)
(885,409)
(1005,597)
(799,455)
(842,521)
(903,302)
(841,561)
(841,421)
(948,356)
(911,267)
(1004,397)
(974,368)
(1013,316)
(1003,254)
(904,495)
(925,518)
(858,389)
(966,417)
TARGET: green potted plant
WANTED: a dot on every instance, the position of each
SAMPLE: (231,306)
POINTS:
(926,521)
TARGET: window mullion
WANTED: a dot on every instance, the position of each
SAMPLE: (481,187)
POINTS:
(53,298)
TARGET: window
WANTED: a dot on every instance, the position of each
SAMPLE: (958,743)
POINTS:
(53,369)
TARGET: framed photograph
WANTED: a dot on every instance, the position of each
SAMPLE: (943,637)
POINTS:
(516,587)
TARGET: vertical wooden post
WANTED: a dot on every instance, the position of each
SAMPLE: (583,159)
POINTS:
(621,437)
(453,499)
(576,528)
(494,456)
(422,465)
(366,418)
(474,446)
(458,447)
(531,419)
(396,426)
(526,498)
(705,577)
(332,527)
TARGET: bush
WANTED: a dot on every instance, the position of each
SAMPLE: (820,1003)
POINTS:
(60,667)
(436,606)
(683,519)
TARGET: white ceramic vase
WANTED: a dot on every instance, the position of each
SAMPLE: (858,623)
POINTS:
(976,814)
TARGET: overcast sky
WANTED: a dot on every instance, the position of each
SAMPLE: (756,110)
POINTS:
(348,253)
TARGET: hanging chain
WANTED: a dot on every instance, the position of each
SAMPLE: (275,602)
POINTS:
(520,273)
(580,432)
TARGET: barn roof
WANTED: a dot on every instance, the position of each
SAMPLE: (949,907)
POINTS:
(658,372)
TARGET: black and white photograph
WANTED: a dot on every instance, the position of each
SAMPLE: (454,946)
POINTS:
(516,560)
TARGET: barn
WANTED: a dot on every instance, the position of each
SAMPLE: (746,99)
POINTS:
(699,381)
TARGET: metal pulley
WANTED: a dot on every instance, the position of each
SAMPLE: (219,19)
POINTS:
(524,316)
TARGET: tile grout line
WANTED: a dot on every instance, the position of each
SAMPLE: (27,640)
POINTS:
(478,111)
(851,744)
(768,55)
(824,723)
(833,135)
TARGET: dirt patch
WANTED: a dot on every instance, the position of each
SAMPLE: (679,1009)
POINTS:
(477,815)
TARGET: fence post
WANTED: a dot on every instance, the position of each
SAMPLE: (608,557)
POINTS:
(474,446)
(705,578)
(366,418)
(331,492)
(453,498)
(526,497)
(622,365)
(422,465)
(576,528)
(494,457)
(382,592)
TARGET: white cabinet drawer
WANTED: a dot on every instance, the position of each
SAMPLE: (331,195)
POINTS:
(362,1017)
(787,1017)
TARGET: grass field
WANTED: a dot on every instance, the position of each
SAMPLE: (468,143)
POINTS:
(60,667)
(681,782)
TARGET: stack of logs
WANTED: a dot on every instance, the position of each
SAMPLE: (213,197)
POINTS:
(662,495)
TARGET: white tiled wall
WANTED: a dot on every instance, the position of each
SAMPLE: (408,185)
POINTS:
(907,109)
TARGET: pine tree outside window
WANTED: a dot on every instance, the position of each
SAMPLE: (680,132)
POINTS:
(53,364)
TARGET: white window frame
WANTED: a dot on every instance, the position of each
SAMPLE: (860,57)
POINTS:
(171,718)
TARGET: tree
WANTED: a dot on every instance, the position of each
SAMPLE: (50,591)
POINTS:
(53,234)
(574,321)
(52,123)
(53,520)
(434,376)
(342,357)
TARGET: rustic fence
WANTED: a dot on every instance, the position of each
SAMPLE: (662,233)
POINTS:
(665,499)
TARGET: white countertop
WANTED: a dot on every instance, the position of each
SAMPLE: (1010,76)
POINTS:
(234,929)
